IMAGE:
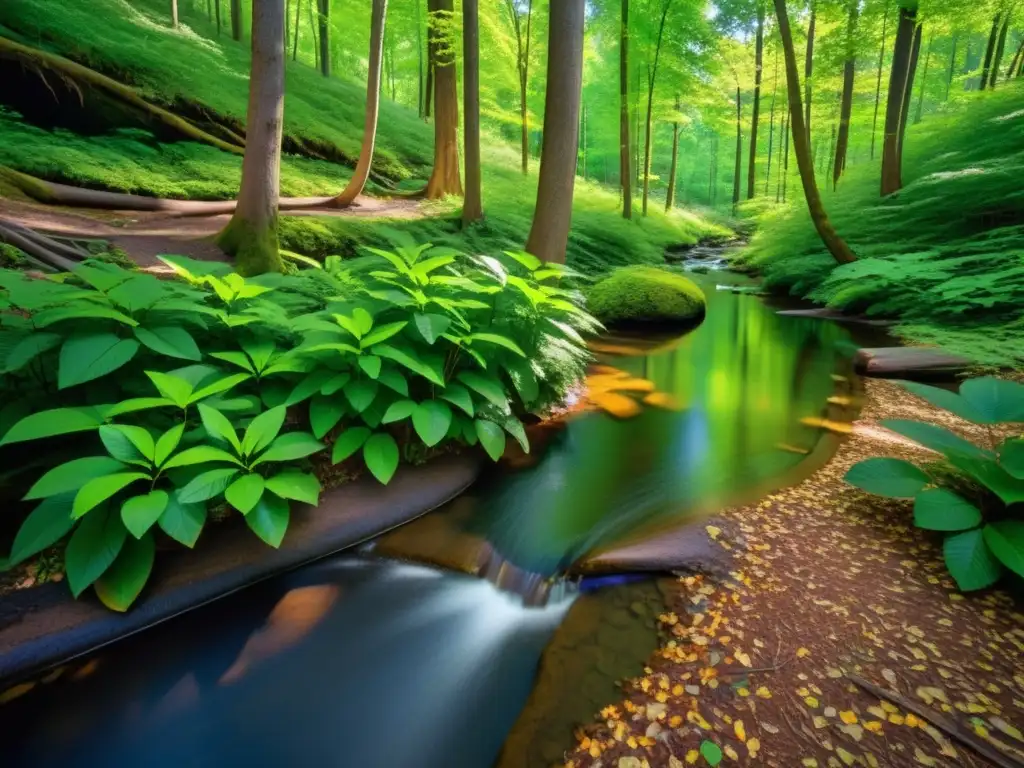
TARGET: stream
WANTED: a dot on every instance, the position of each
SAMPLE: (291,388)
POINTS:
(400,654)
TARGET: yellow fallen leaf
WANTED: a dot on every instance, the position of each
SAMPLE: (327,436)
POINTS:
(713,532)
(731,753)
(809,762)
(912,721)
(753,745)
(802,652)
(811,702)
(874,726)
(764,693)
(691,756)
(820,722)
(896,719)
(923,758)
(740,731)
(742,658)
(846,757)
(848,717)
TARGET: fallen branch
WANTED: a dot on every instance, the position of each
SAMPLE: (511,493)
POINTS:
(46,241)
(34,248)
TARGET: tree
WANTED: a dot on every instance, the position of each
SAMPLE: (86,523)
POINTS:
(809,70)
(892,177)
(878,82)
(295,48)
(361,173)
(990,49)
(737,170)
(670,193)
(552,217)
(216,6)
(445,179)
(625,176)
(236,20)
(846,105)
(652,74)
(771,124)
(952,63)
(419,59)
(758,65)
(251,235)
(833,242)
(174,14)
(472,207)
(324,19)
(908,93)
(523,71)
(1000,47)
(924,80)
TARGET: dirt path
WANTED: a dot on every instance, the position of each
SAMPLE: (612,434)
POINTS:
(144,235)
(826,582)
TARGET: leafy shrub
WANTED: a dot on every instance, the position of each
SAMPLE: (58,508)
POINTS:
(152,400)
(644,294)
(981,541)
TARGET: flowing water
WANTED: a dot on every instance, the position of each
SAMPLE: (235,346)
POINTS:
(362,660)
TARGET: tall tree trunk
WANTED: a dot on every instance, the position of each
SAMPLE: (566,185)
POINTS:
(174,14)
(771,124)
(445,179)
(236,19)
(785,157)
(428,91)
(552,217)
(1000,47)
(295,47)
(809,72)
(354,188)
(756,112)
(1016,60)
(670,194)
(846,102)
(952,64)
(251,235)
(831,149)
(908,94)
(902,47)
(636,127)
(419,59)
(209,10)
(287,25)
(523,73)
(833,242)
(737,169)
(783,140)
(651,77)
(625,172)
(216,8)
(583,139)
(990,50)
(711,173)
(324,19)
(924,80)
(472,206)
(313,32)
(878,81)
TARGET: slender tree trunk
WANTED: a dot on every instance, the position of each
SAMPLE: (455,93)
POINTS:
(952,64)
(785,157)
(833,242)
(523,72)
(583,139)
(924,80)
(778,172)
(809,72)
(1000,47)
(878,81)
(625,172)
(756,112)
(354,188)
(313,32)
(670,194)
(908,95)
(324,19)
(428,91)
(737,170)
(846,102)
(652,76)
(898,74)
(831,149)
(1016,60)
(990,50)
(295,47)
(287,25)
(771,124)
(209,10)
(419,59)
(636,127)
(251,235)
(552,217)
(472,207)
(216,7)
(174,14)
(236,19)
(445,179)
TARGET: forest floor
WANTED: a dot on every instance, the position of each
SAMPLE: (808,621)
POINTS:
(827,582)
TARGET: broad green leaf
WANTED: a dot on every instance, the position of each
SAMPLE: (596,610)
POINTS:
(92,548)
(943,398)
(172,387)
(486,385)
(59,421)
(431,420)
(140,513)
(381,456)
(122,583)
(80,311)
(170,341)
(29,348)
(335,383)
(262,430)
(425,267)
(395,381)
(138,404)
(99,489)
(969,560)
(138,439)
(398,410)
(206,486)
(219,386)
(360,393)
(218,427)
(458,395)
(395,260)
(72,475)
(348,442)
(291,446)
(138,292)
(711,752)
(933,436)
(515,428)
(997,400)
(236,358)
(45,526)
(410,361)
(1011,457)
(167,442)
(499,340)
(894,478)
(260,351)
(183,522)
(1006,541)
(382,333)
(244,492)
(308,387)
(528,260)
(295,485)
(431,326)
(90,356)
(269,519)
(371,365)
(324,413)
(940,510)
(523,379)
(200,454)
(363,320)
(492,438)
(987,472)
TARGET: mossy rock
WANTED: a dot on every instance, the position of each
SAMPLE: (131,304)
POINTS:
(643,294)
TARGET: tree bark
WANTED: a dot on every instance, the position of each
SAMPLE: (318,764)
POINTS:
(785,158)
(324,19)
(1016,60)
(990,50)
(354,188)
(771,125)
(625,173)
(833,242)
(583,138)
(313,31)
(898,74)
(174,14)
(216,6)
(236,19)
(419,59)
(251,235)
(924,80)
(783,140)
(295,47)
(756,114)
(652,76)
(523,73)
(952,64)
(908,94)
(878,81)
(809,72)
(846,103)
(1000,47)
(445,179)
(472,207)
(737,170)
(552,217)
(670,194)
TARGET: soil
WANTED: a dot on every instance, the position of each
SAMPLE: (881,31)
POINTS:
(826,582)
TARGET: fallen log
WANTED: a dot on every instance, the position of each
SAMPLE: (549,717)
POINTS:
(908,362)
(36,247)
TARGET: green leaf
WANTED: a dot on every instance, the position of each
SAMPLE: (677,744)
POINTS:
(431,420)
(371,365)
(136,404)
(488,386)
(894,478)
(140,513)
(987,472)
(88,357)
(431,326)
(296,485)
(138,437)
(183,522)
(200,454)
(1011,457)
(381,456)
(291,446)
(523,379)
(80,311)
(360,393)
(943,398)
(425,267)
(969,560)
(172,387)
(93,547)
(398,410)
(170,341)
(219,427)
(72,475)
(382,333)
(59,421)
(395,381)
(324,413)
(410,361)
(99,489)
(219,386)
(937,509)
(997,400)
(528,260)
(236,358)
(262,430)
(336,382)
(933,436)
(206,486)
(363,320)
(122,583)
(269,519)
(245,492)
(348,442)
(499,340)
(29,348)
(45,526)
(167,443)
(711,752)
(458,395)
(1006,541)
(515,428)
(492,438)
(260,351)
(308,387)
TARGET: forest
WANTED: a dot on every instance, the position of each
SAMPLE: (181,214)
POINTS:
(631,383)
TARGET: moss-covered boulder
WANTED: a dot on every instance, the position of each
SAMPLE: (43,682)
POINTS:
(644,294)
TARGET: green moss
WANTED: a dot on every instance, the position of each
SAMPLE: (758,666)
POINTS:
(255,250)
(643,294)
(11,257)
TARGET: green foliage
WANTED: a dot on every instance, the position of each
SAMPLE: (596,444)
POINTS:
(983,538)
(642,294)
